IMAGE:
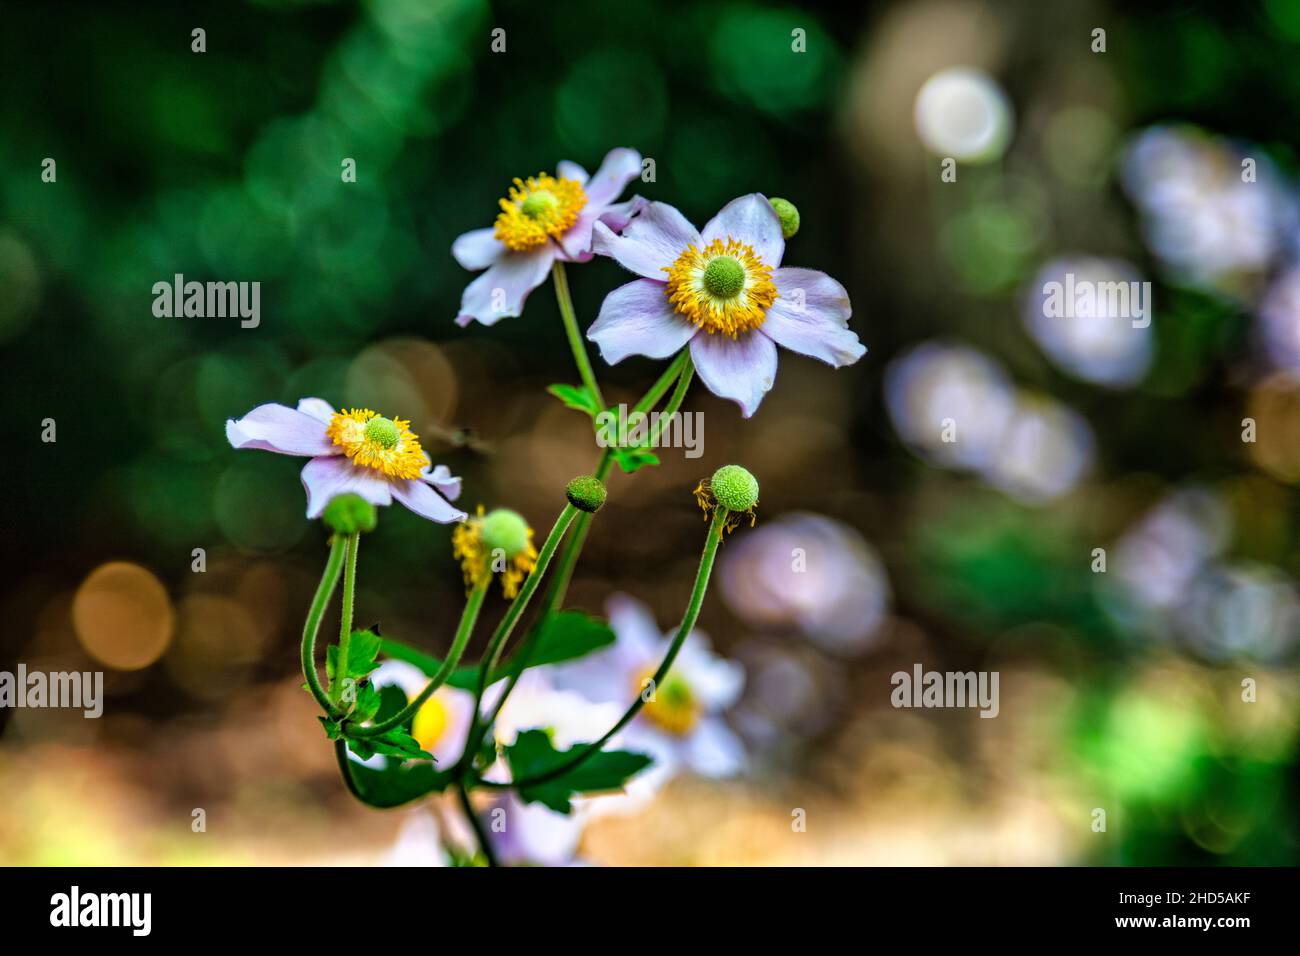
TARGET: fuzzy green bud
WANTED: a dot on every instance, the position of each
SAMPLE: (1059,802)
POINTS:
(586,493)
(506,531)
(734,488)
(788,214)
(350,514)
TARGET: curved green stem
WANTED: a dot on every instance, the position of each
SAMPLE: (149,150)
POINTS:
(682,369)
(497,643)
(483,840)
(687,625)
(324,591)
(468,618)
(657,391)
(345,621)
(575,336)
(678,396)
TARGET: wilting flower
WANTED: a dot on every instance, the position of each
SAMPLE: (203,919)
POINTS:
(680,725)
(544,218)
(356,452)
(500,541)
(723,291)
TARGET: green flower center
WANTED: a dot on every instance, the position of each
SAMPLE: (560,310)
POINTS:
(724,277)
(382,432)
(539,205)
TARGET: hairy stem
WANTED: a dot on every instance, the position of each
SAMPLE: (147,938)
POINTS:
(468,618)
(345,621)
(497,643)
(324,591)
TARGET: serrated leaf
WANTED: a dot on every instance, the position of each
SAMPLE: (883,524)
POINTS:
(532,753)
(576,397)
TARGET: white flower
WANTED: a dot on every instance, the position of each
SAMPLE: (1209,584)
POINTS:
(681,727)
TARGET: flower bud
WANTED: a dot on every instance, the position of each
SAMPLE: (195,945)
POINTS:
(788,214)
(350,514)
(506,531)
(586,493)
(734,488)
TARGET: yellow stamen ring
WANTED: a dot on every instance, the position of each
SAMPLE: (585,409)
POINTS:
(537,209)
(478,560)
(386,445)
(724,287)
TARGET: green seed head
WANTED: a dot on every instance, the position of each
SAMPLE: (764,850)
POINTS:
(382,432)
(788,215)
(724,277)
(586,493)
(505,530)
(734,488)
(350,514)
(538,204)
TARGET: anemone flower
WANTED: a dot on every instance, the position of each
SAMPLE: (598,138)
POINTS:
(681,725)
(544,218)
(355,451)
(723,291)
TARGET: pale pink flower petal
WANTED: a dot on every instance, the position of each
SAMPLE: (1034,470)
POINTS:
(514,275)
(750,219)
(327,478)
(478,249)
(811,317)
(420,497)
(280,429)
(650,243)
(742,369)
(638,319)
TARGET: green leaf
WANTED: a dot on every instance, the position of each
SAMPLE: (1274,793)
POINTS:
(532,753)
(363,653)
(565,636)
(576,397)
(398,783)
(394,743)
(633,459)
(368,702)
